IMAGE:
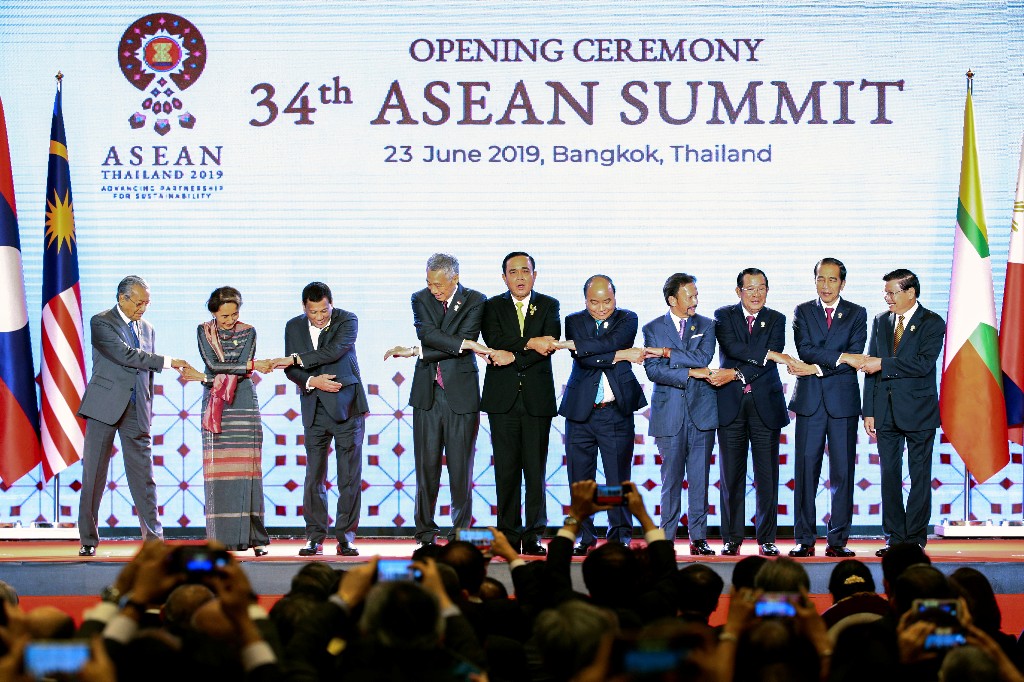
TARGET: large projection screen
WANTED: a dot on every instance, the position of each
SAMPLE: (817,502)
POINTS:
(346,142)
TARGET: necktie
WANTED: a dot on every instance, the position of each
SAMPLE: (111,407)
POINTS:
(520,317)
(599,398)
(750,324)
(898,335)
(682,329)
(135,337)
(440,381)
(828,317)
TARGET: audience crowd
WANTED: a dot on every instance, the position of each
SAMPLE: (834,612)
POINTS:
(640,617)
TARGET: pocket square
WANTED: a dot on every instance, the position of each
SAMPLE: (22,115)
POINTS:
(697,336)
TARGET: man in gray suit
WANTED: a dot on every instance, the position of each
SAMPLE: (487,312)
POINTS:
(445,391)
(119,399)
(684,407)
(322,346)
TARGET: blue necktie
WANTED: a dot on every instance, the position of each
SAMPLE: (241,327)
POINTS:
(135,344)
(599,398)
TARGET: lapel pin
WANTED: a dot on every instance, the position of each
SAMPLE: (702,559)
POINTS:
(912,327)
(693,327)
(762,325)
(456,306)
(533,309)
(605,324)
(839,315)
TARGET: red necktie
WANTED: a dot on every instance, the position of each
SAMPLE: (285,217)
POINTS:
(828,317)
(750,324)
(440,381)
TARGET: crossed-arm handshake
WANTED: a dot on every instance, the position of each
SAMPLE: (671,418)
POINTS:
(190,373)
(858,361)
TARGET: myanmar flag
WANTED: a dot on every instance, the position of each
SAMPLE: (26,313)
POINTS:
(971,398)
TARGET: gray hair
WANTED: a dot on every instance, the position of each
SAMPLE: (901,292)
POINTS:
(444,262)
(568,636)
(782,575)
(403,615)
(124,287)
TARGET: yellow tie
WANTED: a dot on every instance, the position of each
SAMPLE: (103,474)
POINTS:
(898,335)
(520,317)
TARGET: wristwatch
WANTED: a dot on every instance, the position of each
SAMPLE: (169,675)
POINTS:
(571,521)
(110,594)
(295,359)
(739,375)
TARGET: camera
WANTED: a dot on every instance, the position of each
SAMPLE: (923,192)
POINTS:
(776,605)
(197,560)
(390,570)
(944,638)
(44,659)
(611,495)
(481,538)
(942,612)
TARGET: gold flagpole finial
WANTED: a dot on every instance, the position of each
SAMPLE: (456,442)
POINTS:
(970,74)
(59,76)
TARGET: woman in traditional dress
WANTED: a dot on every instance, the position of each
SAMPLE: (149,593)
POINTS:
(232,429)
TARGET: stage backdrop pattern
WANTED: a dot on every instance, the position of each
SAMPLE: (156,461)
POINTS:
(288,203)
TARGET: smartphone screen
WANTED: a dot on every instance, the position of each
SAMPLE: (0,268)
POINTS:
(944,638)
(389,570)
(776,605)
(481,538)
(44,659)
(610,495)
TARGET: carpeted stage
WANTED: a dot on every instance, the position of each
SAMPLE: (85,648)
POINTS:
(48,572)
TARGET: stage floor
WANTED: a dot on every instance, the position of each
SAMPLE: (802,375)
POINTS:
(42,570)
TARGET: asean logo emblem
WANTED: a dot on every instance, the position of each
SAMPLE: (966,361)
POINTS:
(159,53)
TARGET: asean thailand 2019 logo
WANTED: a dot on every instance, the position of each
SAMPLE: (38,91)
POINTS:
(162,55)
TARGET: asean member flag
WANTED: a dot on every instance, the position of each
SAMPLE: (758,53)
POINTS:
(971,397)
(63,364)
(1011,325)
(19,414)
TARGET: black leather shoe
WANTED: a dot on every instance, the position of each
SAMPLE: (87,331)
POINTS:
(731,548)
(701,548)
(260,550)
(839,552)
(801,550)
(581,549)
(87,550)
(768,549)
(345,549)
(534,549)
(312,549)
(882,552)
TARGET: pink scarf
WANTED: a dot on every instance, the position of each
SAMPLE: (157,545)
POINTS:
(224,385)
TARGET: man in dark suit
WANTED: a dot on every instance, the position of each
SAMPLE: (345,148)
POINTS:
(322,346)
(751,409)
(445,391)
(830,333)
(684,407)
(522,327)
(119,400)
(901,404)
(600,398)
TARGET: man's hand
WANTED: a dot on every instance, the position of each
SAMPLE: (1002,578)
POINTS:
(721,377)
(432,582)
(502,547)
(263,366)
(855,360)
(152,582)
(402,352)
(871,365)
(801,369)
(99,667)
(741,611)
(475,346)
(700,373)
(500,358)
(869,426)
(325,382)
(910,636)
(190,374)
(636,355)
(635,504)
(357,582)
(177,364)
(781,358)
(568,344)
(545,345)
(281,362)
(582,503)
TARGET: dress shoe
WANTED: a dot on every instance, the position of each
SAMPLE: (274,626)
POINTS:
(839,552)
(312,549)
(882,552)
(701,548)
(87,550)
(345,549)
(260,550)
(581,549)
(802,550)
(420,544)
(534,549)
(731,548)
(768,549)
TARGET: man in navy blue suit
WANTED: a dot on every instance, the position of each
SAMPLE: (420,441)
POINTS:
(600,398)
(684,407)
(830,333)
(751,409)
(901,404)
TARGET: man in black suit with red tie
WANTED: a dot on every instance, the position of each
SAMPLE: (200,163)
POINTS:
(600,398)
(445,392)
(751,409)
(522,327)
(901,404)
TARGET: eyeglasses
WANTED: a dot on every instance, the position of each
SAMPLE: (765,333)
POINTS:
(755,290)
(892,294)
(138,304)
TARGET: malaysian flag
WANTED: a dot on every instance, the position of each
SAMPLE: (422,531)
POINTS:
(19,414)
(63,363)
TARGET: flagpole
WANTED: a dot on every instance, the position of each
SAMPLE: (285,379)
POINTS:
(56,477)
(967,471)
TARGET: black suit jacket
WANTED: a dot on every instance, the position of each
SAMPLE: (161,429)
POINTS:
(909,375)
(530,374)
(745,352)
(441,335)
(335,354)
(594,356)
(821,345)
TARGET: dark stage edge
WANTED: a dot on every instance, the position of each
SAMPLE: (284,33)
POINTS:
(48,568)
